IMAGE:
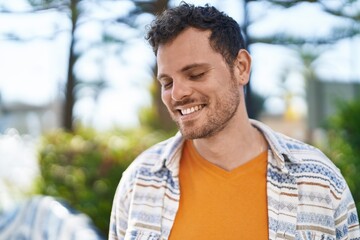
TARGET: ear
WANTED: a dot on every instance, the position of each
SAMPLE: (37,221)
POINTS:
(242,67)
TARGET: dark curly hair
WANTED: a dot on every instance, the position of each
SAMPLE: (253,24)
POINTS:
(225,37)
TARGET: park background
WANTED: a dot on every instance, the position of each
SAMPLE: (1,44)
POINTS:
(79,100)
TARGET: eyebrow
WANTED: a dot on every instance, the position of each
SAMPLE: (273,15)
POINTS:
(186,68)
(194,65)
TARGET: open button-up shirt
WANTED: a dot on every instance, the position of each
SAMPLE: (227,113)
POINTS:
(307,196)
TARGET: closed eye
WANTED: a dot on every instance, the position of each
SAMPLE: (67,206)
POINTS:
(196,76)
(166,84)
(165,81)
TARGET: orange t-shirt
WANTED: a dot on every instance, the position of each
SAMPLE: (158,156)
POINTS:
(219,204)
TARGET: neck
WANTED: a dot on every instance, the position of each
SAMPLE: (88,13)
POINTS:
(235,145)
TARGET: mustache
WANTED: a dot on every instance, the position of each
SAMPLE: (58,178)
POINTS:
(185,101)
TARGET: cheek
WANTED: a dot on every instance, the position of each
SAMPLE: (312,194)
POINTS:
(165,97)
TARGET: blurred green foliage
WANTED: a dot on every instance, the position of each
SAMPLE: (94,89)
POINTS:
(344,144)
(84,167)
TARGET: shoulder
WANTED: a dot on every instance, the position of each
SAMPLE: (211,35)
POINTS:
(300,158)
(152,159)
(155,155)
(311,164)
(141,170)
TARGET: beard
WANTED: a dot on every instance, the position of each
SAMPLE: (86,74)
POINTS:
(217,117)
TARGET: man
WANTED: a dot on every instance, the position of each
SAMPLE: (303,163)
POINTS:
(223,176)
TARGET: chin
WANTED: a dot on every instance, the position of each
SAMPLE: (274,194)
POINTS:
(195,134)
(187,134)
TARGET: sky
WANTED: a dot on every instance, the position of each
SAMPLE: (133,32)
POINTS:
(34,72)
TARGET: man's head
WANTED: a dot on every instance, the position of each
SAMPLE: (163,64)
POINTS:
(225,37)
(202,68)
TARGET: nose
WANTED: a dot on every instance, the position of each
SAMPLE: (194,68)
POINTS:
(180,90)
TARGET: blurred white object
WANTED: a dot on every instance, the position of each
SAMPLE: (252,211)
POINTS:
(18,166)
(45,218)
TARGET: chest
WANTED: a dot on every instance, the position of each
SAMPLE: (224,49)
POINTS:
(292,208)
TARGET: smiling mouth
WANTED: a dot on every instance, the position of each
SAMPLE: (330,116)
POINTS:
(188,111)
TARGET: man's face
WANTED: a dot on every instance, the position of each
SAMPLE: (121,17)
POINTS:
(199,90)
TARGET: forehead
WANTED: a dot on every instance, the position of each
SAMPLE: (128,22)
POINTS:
(190,46)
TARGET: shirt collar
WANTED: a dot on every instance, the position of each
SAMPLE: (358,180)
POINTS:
(170,156)
(277,144)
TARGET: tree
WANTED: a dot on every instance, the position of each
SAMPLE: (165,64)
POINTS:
(308,48)
(78,13)
(346,10)
(157,115)
(38,6)
(344,144)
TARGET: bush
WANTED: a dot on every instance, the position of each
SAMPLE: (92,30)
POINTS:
(85,167)
(344,144)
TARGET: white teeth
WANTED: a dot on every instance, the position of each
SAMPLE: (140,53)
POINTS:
(191,110)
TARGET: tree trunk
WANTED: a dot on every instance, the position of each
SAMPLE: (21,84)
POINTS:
(71,81)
